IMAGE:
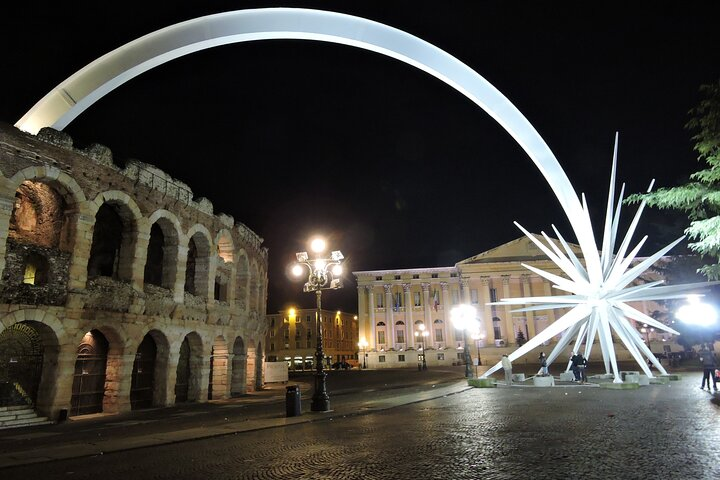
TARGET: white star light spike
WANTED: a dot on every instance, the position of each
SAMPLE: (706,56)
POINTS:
(598,292)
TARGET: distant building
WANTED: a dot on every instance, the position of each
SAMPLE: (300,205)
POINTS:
(292,337)
(393,305)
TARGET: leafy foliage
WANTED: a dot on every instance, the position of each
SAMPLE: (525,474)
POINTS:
(700,197)
(520,338)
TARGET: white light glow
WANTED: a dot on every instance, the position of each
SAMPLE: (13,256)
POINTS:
(317,245)
(463,317)
(320,264)
(337,270)
(697,313)
(297,270)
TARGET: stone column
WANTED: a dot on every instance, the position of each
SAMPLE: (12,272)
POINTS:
(135,271)
(179,284)
(547,291)
(525,281)
(7,201)
(84,221)
(426,311)
(389,327)
(487,311)
(362,313)
(371,313)
(445,299)
(509,328)
(409,339)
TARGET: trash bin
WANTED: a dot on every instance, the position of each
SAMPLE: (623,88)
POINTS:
(292,401)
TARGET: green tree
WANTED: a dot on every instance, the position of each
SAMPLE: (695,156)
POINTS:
(520,338)
(700,197)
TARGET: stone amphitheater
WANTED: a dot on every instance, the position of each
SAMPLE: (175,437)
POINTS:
(119,290)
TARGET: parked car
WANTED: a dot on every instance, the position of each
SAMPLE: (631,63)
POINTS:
(341,365)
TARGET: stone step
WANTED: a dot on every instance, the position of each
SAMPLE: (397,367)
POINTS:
(15,413)
(13,408)
(25,422)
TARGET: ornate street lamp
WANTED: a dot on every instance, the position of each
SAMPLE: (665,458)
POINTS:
(463,317)
(420,334)
(363,344)
(324,274)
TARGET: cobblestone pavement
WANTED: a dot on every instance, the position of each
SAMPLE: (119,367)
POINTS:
(661,431)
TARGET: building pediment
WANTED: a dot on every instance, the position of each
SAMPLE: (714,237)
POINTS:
(519,250)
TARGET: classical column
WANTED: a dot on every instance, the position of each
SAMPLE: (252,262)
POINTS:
(371,313)
(362,313)
(426,310)
(465,295)
(409,341)
(547,291)
(487,311)
(509,328)
(389,327)
(445,299)
(527,292)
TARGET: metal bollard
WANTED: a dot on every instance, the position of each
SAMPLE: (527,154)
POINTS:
(292,401)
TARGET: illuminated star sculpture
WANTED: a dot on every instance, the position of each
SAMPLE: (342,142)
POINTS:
(598,292)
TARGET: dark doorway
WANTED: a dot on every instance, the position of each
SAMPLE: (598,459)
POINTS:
(143,374)
(21,361)
(88,389)
(182,382)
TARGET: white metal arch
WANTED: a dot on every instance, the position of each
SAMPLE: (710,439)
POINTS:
(71,97)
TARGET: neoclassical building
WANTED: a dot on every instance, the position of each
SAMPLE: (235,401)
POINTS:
(292,337)
(394,305)
(119,289)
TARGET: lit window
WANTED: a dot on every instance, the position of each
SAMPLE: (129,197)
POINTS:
(29,276)
(441,356)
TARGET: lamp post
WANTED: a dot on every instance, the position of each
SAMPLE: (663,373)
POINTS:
(478,337)
(323,274)
(420,334)
(363,344)
(463,317)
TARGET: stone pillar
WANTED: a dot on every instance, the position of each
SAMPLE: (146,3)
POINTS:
(179,284)
(449,336)
(55,391)
(547,291)
(426,312)
(84,221)
(238,376)
(362,313)
(7,201)
(409,340)
(487,311)
(509,328)
(389,327)
(125,364)
(371,314)
(135,269)
(525,281)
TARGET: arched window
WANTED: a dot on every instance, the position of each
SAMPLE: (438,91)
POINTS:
(36,270)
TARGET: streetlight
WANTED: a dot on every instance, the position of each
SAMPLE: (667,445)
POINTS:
(478,337)
(363,344)
(463,317)
(696,312)
(421,333)
(323,274)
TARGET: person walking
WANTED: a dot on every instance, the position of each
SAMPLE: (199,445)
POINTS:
(543,365)
(707,359)
(507,368)
(576,360)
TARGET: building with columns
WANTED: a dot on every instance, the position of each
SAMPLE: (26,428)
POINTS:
(394,306)
(292,337)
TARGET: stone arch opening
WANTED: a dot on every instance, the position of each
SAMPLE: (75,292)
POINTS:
(38,245)
(197,270)
(239,361)
(243,277)
(189,369)
(218,384)
(162,254)
(111,251)
(88,390)
(147,386)
(28,365)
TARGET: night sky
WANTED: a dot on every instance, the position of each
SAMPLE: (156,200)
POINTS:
(396,168)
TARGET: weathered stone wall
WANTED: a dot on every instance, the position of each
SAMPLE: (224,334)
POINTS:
(72,184)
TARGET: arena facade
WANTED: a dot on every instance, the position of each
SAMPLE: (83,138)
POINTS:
(119,290)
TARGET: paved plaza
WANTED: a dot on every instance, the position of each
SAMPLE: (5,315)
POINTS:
(660,431)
